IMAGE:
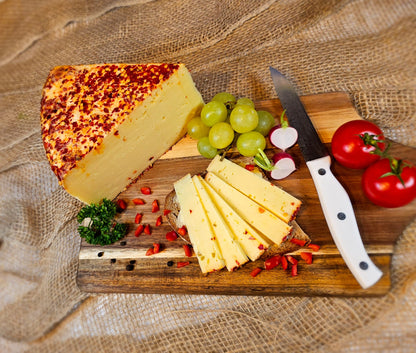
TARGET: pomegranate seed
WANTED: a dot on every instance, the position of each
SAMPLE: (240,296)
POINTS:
(249,167)
(158,221)
(146,190)
(138,218)
(138,201)
(171,236)
(139,230)
(155,206)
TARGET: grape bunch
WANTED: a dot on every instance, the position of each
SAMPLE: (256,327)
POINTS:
(225,121)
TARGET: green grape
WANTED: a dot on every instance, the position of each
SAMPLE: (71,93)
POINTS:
(221,135)
(266,122)
(205,148)
(249,143)
(213,112)
(197,129)
(245,101)
(226,98)
(243,118)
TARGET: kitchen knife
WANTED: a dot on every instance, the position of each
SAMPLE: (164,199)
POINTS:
(335,202)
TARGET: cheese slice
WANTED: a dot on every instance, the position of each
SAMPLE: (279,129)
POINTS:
(256,215)
(270,196)
(231,250)
(198,225)
(253,244)
(103,125)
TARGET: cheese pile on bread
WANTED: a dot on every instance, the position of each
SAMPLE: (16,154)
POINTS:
(103,125)
(232,215)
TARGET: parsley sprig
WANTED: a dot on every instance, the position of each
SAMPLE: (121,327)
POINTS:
(101,227)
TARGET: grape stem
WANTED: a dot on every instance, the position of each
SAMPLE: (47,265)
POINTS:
(263,161)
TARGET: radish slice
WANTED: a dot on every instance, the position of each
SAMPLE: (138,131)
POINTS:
(284,165)
(283,136)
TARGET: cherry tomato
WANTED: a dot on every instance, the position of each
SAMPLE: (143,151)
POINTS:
(390,184)
(354,142)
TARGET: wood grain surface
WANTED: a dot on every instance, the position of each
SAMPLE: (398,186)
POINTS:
(124,266)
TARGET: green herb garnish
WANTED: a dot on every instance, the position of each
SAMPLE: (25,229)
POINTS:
(101,227)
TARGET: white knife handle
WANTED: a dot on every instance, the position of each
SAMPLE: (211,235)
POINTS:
(341,221)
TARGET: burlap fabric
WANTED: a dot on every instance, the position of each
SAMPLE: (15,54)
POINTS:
(366,48)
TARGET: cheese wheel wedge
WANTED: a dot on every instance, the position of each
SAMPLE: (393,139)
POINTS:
(103,125)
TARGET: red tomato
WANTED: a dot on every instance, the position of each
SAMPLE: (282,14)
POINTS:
(353,143)
(389,191)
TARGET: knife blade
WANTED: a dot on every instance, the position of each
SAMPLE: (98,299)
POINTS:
(335,202)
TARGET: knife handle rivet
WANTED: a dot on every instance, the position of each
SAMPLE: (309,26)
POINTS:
(341,216)
(321,171)
(363,265)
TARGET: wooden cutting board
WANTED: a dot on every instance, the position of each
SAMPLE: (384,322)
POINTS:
(124,267)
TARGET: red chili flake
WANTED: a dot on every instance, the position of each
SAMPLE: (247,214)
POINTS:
(139,230)
(158,221)
(261,210)
(121,204)
(187,249)
(294,270)
(261,247)
(307,256)
(292,260)
(283,261)
(171,236)
(138,201)
(138,218)
(146,190)
(150,251)
(314,247)
(182,264)
(182,231)
(155,206)
(166,212)
(298,241)
(272,262)
(255,272)
(249,167)
(156,248)
(284,238)
(147,229)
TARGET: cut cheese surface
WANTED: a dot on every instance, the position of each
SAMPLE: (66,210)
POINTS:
(253,244)
(231,250)
(103,125)
(271,197)
(256,215)
(199,228)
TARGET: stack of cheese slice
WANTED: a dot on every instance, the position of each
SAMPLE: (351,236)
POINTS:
(232,215)
(102,125)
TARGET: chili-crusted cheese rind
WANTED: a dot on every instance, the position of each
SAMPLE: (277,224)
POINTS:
(102,125)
